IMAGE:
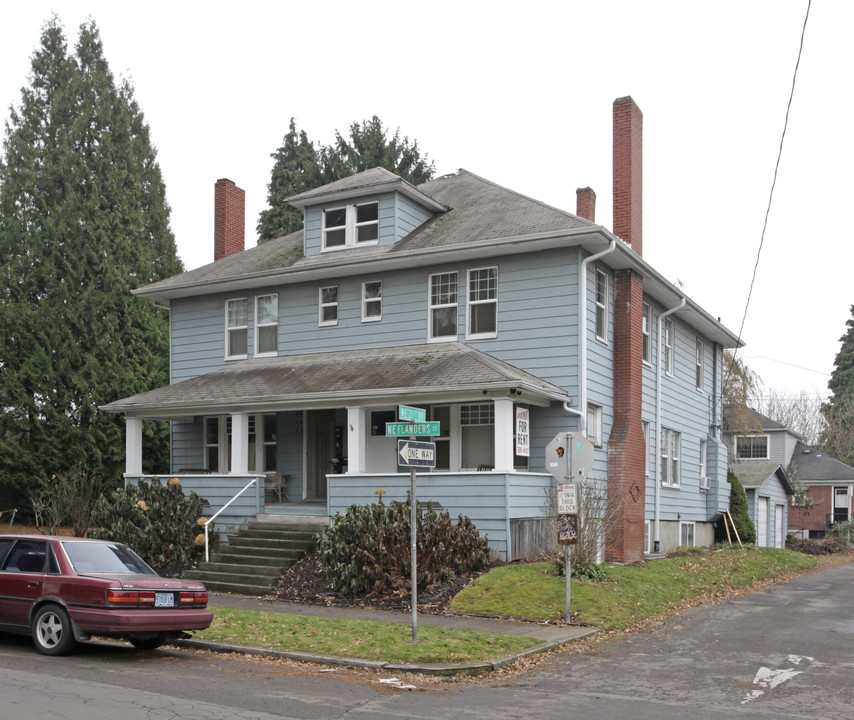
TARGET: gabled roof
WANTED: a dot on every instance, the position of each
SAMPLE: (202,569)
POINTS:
(482,219)
(420,373)
(816,467)
(767,424)
(754,475)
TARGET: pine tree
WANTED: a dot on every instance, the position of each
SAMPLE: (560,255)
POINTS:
(83,221)
(838,436)
(300,166)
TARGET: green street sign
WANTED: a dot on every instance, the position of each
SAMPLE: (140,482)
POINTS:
(404,429)
(411,414)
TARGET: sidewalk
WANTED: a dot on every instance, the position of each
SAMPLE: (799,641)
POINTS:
(550,636)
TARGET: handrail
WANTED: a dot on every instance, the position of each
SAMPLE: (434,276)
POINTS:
(216,515)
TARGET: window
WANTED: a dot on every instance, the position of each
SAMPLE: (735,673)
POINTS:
(350,225)
(670,450)
(328,310)
(483,302)
(700,351)
(266,324)
(645,426)
(704,472)
(647,321)
(237,328)
(212,444)
(372,301)
(686,534)
(443,306)
(601,305)
(751,447)
(442,415)
(594,424)
(668,347)
(478,435)
(262,456)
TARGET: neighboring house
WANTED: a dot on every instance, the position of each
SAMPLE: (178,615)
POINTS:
(768,491)
(828,481)
(468,300)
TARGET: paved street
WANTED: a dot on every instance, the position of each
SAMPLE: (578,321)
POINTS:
(781,653)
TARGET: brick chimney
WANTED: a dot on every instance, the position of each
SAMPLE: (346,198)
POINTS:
(628,172)
(229,219)
(585,204)
(626,446)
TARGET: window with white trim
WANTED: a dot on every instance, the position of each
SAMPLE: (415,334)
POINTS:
(601,305)
(267,324)
(751,447)
(477,425)
(372,301)
(594,424)
(350,225)
(704,471)
(668,346)
(645,426)
(262,445)
(647,340)
(212,444)
(328,305)
(699,353)
(482,304)
(236,328)
(443,306)
(671,442)
(686,534)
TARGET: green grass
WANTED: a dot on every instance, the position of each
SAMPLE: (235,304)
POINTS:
(363,639)
(631,594)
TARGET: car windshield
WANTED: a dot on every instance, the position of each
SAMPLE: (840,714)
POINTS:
(94,557)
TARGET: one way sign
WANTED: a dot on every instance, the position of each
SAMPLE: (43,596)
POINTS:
(416,454)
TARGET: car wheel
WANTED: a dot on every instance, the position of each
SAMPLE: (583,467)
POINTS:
(147,643)
(52,633)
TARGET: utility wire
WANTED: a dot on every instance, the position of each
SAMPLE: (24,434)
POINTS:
(770,198)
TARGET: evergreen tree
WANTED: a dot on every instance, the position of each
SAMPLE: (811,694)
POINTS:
(838,435)
(300,166)
(83,221)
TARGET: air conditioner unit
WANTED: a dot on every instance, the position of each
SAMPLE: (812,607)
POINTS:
(705,483)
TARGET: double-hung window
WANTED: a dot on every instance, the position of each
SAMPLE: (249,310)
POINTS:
(267,324)
(328,305)
(601,305)
(350,225)
(668,346)
(483,303)
(372,301)
(670,450)
(700,351)
(647,323)
(236,328)
(443,306)
(262,443)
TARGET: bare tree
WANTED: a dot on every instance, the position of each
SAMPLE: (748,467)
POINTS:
(800,413)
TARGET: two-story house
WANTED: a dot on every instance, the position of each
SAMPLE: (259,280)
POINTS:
(472,302)
(759,455)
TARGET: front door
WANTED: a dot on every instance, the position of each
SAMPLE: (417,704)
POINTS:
(320,452)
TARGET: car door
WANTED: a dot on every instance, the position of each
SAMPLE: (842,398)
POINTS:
(21,580)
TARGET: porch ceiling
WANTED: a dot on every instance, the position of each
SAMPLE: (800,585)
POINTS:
(448,372)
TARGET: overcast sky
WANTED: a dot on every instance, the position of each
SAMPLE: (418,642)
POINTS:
(521,94)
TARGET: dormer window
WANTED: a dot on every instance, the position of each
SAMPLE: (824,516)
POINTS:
(350,225)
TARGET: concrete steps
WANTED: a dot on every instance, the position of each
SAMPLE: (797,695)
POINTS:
(254,558)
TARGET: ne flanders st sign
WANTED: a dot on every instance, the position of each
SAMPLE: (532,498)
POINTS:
(405,429)
(416,454)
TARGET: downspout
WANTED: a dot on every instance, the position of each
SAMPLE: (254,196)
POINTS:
(581,411)
(661,318)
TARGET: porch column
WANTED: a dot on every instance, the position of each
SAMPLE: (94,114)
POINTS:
(504,434)
(133,446)
(239,443)
(356,425)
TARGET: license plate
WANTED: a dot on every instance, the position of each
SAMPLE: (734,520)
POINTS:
(164,600)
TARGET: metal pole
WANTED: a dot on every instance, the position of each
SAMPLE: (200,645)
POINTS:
(413,516)
(568,575)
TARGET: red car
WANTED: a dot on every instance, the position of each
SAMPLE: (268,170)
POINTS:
(62,590)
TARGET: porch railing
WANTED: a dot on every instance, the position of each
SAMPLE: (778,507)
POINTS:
(248,485)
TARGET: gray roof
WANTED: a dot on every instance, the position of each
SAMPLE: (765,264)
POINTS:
(816,467)
(754,475)
(422,373)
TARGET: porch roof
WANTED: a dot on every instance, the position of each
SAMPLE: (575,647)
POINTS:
(447,372)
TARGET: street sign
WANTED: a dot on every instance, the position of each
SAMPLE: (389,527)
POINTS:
(402,429)
(411,414)
(567,499)
(567,532)
(416,454)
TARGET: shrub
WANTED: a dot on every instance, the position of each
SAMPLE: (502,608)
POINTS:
(157,520)
(368,548)
(841,531)
(827,546)
(738,509)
